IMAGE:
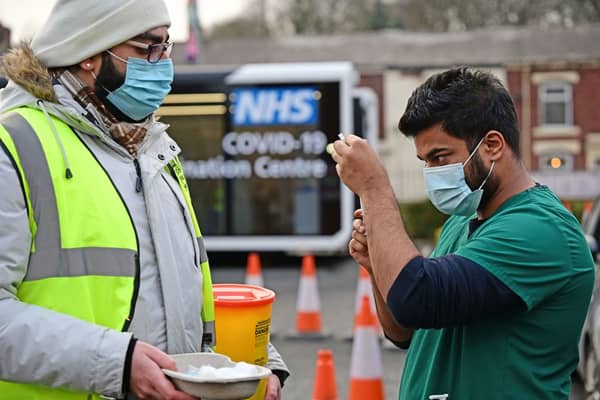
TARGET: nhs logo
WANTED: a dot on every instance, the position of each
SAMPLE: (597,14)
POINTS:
(275,106)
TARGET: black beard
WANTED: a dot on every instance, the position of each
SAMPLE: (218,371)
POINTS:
(109,80)
(478,174)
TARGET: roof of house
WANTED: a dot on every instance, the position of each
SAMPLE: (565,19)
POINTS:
(403,49)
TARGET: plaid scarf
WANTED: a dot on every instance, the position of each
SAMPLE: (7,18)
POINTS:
(128,135)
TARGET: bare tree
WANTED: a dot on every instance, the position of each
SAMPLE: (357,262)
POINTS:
(342,16)
(450,15)
(585,10)
(332,16)
(308,16)
(251,22)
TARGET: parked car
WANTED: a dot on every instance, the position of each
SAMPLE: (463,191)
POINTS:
(589,345)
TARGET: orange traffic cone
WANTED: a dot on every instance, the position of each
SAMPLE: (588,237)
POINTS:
(253,270)
(325,387)
(308,308)
(364,288)
(587,210)
(366,370)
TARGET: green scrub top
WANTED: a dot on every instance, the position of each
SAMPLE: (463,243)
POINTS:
(536,248)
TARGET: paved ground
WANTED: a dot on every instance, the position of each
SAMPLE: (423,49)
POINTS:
(337,284)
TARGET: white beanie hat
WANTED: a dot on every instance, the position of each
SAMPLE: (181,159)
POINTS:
(79,29)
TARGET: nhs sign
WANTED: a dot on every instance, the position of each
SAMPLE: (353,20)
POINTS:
(275,106)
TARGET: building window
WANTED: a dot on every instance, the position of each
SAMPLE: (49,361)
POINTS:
(555,162)
(594,161)
(556,103)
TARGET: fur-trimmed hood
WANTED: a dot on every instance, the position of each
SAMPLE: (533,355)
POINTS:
(22,67)
(30,84)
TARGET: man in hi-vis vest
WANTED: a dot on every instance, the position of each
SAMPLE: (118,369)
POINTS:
(103,271)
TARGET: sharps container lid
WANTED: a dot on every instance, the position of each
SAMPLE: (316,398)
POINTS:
(238,295)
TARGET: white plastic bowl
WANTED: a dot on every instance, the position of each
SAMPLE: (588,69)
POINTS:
(213,388)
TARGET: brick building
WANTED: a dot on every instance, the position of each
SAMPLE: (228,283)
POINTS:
(558,109)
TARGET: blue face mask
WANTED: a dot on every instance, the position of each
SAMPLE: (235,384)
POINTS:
(448,190)
(146,86)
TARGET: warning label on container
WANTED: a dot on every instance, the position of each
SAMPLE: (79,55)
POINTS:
(261,339)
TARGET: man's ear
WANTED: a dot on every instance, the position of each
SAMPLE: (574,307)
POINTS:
(494,145)
(91,64)
(87,64)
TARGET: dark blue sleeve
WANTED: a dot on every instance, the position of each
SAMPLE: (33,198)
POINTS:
(447,291)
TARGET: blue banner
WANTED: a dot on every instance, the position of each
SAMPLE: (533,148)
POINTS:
(275,106)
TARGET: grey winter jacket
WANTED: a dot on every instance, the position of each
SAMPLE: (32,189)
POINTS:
(47,348)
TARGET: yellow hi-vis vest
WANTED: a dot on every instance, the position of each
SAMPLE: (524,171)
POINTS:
(74,264)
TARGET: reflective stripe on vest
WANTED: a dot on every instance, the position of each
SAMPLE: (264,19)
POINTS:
(208,305)
(70,258)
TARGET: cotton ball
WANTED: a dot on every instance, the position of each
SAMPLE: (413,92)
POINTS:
(245,369)
(205,371)
(238,371)
(227,373)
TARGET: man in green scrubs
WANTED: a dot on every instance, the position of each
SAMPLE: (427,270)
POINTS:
(496,311)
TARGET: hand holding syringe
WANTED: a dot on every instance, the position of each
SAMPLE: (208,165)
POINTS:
(329,150)
(350,154)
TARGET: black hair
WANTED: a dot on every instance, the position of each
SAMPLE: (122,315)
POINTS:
(468,103)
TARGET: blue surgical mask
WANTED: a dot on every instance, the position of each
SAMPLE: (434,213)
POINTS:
(146,86)
(448,190)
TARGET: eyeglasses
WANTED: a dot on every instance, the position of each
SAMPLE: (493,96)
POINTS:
(154,52)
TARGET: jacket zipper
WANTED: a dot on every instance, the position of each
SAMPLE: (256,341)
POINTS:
(138,172)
